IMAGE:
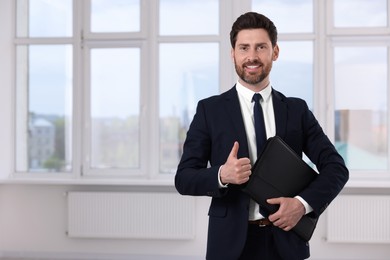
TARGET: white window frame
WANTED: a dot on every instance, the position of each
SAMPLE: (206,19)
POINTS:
(355,37)
(148,40)
(325,37)
(364,31)
(144,131)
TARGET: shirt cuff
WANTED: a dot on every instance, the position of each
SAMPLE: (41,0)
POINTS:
(219,179)
(308,208)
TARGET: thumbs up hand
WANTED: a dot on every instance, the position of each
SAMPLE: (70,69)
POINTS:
(235,171)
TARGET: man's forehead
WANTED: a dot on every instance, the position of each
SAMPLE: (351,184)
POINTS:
(255,41)
(252,34)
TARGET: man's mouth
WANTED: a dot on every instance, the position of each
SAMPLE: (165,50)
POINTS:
(252,67)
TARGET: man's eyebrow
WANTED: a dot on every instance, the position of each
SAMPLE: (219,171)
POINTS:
(256,44)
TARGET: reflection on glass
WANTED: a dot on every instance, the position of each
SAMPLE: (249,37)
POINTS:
(360,13)
(44,108)
(292,72)
(115,93)
(361,106)
(288,16)
(42,18)
(188,17)
(115,16)
(188,72)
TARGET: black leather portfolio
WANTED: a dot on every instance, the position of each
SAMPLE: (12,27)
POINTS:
(280,172)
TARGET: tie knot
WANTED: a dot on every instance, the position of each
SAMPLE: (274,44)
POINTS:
(256,97)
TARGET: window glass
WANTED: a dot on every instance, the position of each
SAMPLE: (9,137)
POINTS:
(42,18)
(115,107)
(361,106)
(288,16)
(188,17)
(44,108)
(360,13)
(188,73)
(115,16)
(292,72)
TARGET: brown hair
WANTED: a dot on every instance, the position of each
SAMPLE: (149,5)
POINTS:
(252,20)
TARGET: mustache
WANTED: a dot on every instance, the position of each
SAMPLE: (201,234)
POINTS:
(253,63)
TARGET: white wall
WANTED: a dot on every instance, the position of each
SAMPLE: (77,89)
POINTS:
(33,223)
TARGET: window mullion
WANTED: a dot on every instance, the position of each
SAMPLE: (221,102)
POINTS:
(150,90)
(78,89)
(321,81)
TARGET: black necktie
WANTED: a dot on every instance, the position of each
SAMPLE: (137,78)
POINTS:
(260,134)
(259,123)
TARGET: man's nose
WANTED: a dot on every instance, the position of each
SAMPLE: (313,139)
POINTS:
(253,55)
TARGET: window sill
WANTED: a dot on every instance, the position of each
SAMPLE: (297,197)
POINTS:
(165,182)
(168,182)
(368,183)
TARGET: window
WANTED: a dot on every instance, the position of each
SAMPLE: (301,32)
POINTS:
(115,16)
(365,13)
(361,106)
(188,70)
(284,14)
(114,108)
(293,71)
(187,81)
(39,18)
(359,73)
(44,107)
(360,58)
(109,87)
(187,13)
(85,94)
(44,88)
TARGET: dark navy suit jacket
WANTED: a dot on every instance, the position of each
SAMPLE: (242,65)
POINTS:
(217,124)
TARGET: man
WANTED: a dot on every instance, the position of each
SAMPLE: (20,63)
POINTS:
(222,134)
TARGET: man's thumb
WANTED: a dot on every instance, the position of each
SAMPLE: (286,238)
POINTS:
(234,151)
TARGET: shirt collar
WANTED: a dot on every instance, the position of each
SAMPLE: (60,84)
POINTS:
(248,94)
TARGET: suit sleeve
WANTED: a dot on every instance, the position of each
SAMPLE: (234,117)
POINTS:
(193,176)
(333,173)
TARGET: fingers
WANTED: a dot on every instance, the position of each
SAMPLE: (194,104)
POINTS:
(283,224)
(235,171)
(274,201)
(234,151)
(287,215)
(242,162)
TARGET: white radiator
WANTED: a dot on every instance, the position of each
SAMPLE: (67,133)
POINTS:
(130,215)
(359,219)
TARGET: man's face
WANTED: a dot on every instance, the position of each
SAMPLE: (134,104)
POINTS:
(253,55)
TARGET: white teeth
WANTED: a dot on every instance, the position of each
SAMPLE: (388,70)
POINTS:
(252,67)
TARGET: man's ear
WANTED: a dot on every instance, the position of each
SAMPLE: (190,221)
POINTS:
(232,54)
(276,52)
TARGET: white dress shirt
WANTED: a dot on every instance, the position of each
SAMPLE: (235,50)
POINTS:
(245,96)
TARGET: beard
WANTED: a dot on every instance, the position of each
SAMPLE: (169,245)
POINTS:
(252,78)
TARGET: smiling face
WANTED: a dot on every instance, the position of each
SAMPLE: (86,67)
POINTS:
(253,55)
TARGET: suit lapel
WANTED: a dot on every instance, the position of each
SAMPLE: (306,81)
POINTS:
(232,107)
(280,110)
